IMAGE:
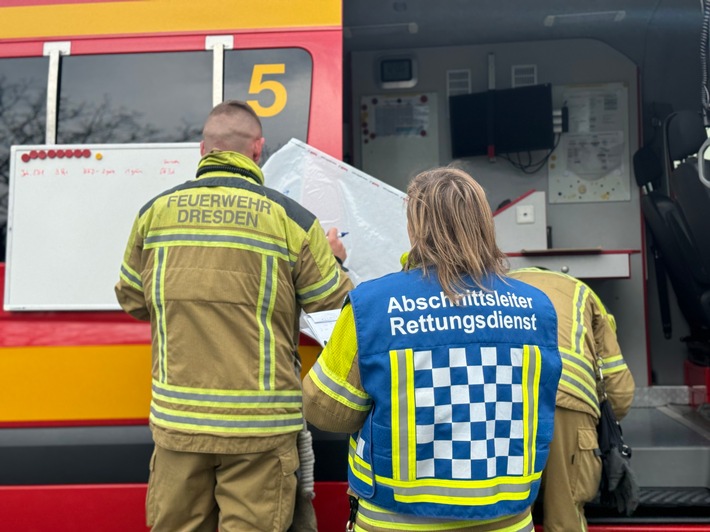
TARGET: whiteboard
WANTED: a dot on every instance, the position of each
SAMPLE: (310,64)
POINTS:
(69,218)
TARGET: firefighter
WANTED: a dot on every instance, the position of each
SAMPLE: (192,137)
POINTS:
(588,343)
(445,373)
(222,266)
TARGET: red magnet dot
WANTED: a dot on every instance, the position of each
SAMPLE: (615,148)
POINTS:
(423,98)
(25,157)
(86,153)
(52,154)
(33,154)
(60,154)
(68,154)
(42,154)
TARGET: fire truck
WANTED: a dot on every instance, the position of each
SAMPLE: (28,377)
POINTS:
(390,88)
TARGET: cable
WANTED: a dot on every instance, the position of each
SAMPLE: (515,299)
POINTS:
(531,167)
(704,94)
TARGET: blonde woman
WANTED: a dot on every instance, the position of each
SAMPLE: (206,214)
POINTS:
(445,373)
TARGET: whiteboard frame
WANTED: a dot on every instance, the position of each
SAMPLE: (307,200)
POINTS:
(20,248)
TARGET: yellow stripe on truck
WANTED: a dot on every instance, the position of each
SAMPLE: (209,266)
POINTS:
(74,383)
(104,18)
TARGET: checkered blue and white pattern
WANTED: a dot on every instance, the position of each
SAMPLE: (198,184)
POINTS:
(469,413)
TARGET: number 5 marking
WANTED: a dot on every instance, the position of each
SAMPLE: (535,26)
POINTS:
(258,84)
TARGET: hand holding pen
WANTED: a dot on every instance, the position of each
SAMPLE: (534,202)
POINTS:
(336,245)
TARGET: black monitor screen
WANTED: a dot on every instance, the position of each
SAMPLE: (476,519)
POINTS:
(521,120)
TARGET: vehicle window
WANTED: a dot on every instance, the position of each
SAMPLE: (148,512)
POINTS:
(23,103)
(146,97)
(277,83)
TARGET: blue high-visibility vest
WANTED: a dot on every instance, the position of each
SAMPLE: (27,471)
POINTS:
(463,396)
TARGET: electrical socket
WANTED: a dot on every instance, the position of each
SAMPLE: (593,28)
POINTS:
(525,214)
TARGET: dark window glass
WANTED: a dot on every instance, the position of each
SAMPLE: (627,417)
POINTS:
(278,82)
(149,97)
(23,104)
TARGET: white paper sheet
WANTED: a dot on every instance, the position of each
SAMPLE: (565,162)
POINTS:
(370,211)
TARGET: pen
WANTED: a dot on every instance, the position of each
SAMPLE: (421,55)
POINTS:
(342,234)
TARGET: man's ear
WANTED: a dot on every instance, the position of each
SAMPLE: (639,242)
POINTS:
(258,147)
(202,148)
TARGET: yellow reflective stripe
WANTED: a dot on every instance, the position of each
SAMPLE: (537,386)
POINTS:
(394,403)
(579,330)
(583,383)
(226,423)
(217,391)
(455,499)
(358,466)
(615,369)
(530,384)
(321,289)
(159,260)
(221,404)
(379,517)
(404,432)
(131,277)
(441,483)
(581,360)
(579,394)
(246,240)
(411,416)
(342,389)
(536,399)
(265,309)
(613,364)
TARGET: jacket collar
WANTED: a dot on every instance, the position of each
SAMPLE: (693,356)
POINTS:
(219,163)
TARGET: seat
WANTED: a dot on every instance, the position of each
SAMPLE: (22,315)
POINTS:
(677,238)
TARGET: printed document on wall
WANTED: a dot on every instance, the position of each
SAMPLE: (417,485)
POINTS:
(372,212)
(591,162)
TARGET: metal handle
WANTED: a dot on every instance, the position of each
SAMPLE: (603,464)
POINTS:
(701,163)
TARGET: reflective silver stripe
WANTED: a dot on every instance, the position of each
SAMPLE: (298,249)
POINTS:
(531,392)
(355,464)
(295,422)
(315,292)
(570,381)
(413,522)
(216,397)
(267,345)
(158,305)
(579,319)
(227,239)
(338,389)
(128,274)
(573,362)
(609,365)
(400,425)
(451,491)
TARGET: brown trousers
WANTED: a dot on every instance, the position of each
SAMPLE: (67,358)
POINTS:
(237,492)
(573,472)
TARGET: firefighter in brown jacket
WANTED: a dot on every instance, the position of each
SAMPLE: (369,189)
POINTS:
(587,341)
(221,266)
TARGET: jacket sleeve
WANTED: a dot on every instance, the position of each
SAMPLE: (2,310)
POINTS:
(321,284)
(129,289)
(333,397)
(618,380)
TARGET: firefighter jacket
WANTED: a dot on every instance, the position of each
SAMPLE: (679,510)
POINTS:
(221,266)
(587,342)
(456,401)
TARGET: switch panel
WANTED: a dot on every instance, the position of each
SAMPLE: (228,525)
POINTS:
(525,214)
